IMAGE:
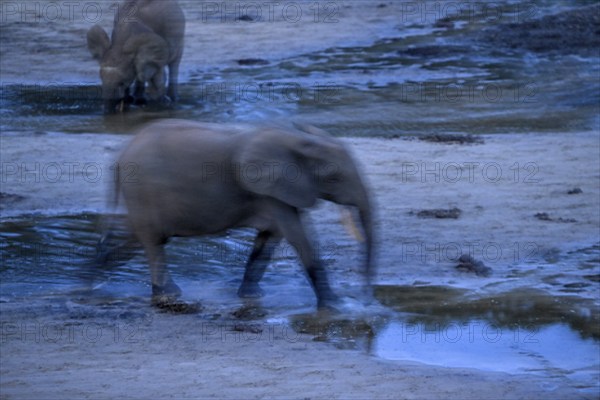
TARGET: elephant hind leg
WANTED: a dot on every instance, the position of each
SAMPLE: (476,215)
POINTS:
(112,251)
(264,245)
(164,289)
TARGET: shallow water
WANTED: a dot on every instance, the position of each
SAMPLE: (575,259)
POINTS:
(49,262)
(554,350)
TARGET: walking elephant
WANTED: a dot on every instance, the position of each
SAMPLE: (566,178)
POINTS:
(147,37)
(186,178)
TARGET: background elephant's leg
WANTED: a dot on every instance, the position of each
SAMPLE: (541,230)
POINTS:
(173,80)
(163,287)
(264,246)
(156,87)
(139,93)
(128,98)
(293,231)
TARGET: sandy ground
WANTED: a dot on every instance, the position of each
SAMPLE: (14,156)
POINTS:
(499,186)
(183,357)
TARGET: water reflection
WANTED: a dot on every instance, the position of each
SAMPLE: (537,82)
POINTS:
(553,350)
(531,309)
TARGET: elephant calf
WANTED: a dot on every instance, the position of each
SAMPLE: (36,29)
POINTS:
(186,179)
(147,36)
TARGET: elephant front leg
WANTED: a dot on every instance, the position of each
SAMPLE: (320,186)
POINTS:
(156,87)
(139,93)
(293,231)
(263,249)
(164,290)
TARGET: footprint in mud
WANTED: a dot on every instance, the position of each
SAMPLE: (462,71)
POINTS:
(439,213)
(546,217)
(249,312)
(179,307)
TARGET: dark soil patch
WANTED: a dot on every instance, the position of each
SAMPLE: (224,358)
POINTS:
(547,217)
(469,264)
(440,213)
(452,139)
(570,32)
(252,61)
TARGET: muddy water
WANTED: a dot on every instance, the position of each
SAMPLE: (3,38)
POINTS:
(404,72)
(47,262)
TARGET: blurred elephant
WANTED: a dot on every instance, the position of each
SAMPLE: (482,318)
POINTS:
(147,36)
(186,179)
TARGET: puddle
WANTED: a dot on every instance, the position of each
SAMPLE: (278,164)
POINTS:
(528,309)
(517,332)
(554,350)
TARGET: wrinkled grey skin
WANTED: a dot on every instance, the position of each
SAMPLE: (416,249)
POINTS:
(186,179)
(147,37)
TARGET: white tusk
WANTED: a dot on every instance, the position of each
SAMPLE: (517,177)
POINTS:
(350,225)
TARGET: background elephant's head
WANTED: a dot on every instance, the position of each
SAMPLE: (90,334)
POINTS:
(298,168)
(131,56)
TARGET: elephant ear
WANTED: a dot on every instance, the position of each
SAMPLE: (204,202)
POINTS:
(150,54)
(269,165)
(97,41)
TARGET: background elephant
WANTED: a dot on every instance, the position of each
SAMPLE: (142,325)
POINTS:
(194,178)
(147,36)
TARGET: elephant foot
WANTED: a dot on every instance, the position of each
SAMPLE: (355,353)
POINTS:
(250,291)
(326,299)
(166,294)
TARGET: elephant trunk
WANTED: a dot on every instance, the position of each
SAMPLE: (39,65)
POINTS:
(366,219)
(365,214)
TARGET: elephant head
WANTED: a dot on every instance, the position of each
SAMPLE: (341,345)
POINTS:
(135,54)
(298,168)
